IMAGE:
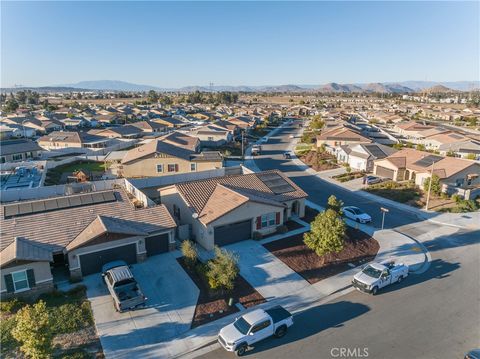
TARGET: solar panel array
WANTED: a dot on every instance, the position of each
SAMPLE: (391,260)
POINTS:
(53,204)
(375,151)
(276,183)
(427,160)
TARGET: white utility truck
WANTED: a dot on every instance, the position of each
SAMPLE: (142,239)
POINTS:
(375,276)
(253,327)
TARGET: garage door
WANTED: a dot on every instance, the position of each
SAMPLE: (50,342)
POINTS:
(232,233)
(92,262)
(384,172)
(156,244)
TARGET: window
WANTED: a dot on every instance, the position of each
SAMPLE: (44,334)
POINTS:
(210,138)
(261,326)
(159,168)
(193,167)
(173,167)
(20,280)
(268,219)
(17,157)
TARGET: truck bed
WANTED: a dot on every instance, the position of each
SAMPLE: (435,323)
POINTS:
(278,313)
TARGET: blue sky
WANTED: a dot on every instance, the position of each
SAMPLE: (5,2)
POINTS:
(238,43)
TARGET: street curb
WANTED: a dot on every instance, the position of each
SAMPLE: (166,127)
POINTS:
(426,253)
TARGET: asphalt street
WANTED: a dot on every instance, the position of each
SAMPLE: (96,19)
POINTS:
(431,315)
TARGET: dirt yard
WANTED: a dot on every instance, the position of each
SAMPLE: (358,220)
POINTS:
(359,248)
(320,161)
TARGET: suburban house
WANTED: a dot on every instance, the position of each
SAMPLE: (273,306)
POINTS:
(411,129)
(171,154)
(462,149)
(212,135)
(64,139)
(243,122)
(170,122)
(127,131)
(18,150)
(228,209)
(361,156)
(410,164)
(150,126)
(334,138)
(90,229)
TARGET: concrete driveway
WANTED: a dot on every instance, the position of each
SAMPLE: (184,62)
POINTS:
(172,298)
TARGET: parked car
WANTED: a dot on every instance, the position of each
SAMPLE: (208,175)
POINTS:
(375,276)
(473,354)
(356,214)
(253,327)
(287,155)
(372,180)
(122,286)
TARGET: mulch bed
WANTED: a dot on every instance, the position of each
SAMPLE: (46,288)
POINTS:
(321,162)
(212,305)
(359,248)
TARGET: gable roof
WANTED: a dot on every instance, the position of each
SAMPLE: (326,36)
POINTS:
(342,134)
(55,229)
(269,187)
(71,137)
(21,249)
(18,146)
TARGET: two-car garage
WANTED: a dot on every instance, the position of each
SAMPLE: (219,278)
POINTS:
(92,262)
(233,232)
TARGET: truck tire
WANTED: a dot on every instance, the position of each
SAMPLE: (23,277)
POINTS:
(399,280)
(281,331)
(241,350)
(375,290)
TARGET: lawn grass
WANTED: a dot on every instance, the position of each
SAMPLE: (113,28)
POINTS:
(54,175)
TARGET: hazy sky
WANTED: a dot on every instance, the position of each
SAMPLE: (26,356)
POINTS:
(238,43)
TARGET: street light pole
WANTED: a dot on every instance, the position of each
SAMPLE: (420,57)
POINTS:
(242,147)
(429,187)
(384,210)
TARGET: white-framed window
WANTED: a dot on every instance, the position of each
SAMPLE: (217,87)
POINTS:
(193,167)
(20,280)
(159,168)
(268,219)
(17,157)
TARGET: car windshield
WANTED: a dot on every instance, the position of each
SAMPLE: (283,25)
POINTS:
(356,210)
(372,272)
(242,325)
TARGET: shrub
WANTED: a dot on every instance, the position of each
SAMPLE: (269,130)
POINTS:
(189,252)
(457,198)
(33,330)
(7,340)
(326,234)
(436,187)
(282,229)
(335,204)
(76,354)
(11,306)
(257,236)
(222,270)
(69,318)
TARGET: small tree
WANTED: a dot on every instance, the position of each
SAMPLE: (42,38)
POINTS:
(436,186)
(471,156)
(189,252)
(335,204)
(33,331)
(326,233)
(222,270)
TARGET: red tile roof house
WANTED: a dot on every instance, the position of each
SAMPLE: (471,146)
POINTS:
(224,210)
(334,138)
(411,164)
(80,232)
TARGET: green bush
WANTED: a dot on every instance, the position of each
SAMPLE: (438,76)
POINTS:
(189,253)
(69,318)
(222,270)
(457,198)
(11,306)
(7,340)
(76,354)
(326,234)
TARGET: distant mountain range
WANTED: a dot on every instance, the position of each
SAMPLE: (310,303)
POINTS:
(383,87)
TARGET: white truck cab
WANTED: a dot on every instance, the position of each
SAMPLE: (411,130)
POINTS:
(375,276)
(253,327)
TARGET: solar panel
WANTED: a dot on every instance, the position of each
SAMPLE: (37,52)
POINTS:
(375,151)
(52,204)
(428,160)
(276,183)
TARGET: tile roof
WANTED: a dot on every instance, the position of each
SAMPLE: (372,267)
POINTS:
(56,229)
(18,146)
(342,134)
(24,250)
(198,194)
(71,137)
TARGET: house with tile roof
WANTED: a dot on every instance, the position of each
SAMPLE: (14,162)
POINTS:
(410,164)
(334,138)
(227,209)
(78,233)
(171,154)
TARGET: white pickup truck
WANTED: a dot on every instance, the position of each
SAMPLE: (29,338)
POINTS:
(378,275)
(253,327)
